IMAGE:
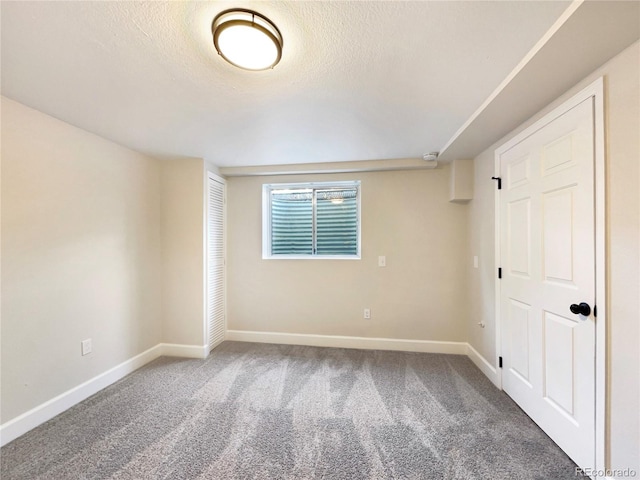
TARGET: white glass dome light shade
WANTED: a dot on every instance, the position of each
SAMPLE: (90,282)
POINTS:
(247,47)
(246,39)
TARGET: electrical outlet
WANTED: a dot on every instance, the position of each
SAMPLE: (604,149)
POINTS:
(87,348)
(382,261)
(367,313)
(475,261)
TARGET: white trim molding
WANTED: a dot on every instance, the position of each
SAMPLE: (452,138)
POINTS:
(485,367)
(46,411)
(596,91)
(49,409)
(186,351)
(339,341)
(366,343)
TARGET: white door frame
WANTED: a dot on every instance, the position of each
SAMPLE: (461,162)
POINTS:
(595,91)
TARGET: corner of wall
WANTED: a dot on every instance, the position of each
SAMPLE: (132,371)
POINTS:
(183,211)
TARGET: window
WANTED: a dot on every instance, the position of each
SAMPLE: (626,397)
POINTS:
(311,220)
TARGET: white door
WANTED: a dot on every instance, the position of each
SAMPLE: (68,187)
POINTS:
(547,254)
(215,261)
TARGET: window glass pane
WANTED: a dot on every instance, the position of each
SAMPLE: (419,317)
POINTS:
(292,222)
(336,222)
(311,220)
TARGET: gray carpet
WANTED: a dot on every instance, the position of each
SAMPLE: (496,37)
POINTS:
(254,411)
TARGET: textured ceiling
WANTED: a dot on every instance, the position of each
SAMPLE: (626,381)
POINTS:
(357,80)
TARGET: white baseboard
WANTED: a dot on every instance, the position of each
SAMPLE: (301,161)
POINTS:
(426,346)
(339,341)
(36,416)
(485,367)
(187,351)
(46,411)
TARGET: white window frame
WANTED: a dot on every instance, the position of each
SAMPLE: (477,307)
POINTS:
(266,219)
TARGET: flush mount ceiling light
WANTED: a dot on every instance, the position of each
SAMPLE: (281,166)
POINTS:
(246,39)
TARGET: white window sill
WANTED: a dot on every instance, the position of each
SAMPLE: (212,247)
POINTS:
(312,257)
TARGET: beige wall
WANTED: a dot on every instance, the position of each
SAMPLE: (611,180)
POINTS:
(405,216)
(80,256)
(622,112)
(183,251)
(481,244)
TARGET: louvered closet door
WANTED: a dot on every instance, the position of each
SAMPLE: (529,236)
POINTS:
(216,261)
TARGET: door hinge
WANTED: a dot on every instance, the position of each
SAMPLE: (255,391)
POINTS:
(500,362)
(499,179)
(500,272)
(595,311)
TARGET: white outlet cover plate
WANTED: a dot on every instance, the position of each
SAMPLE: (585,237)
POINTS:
(86,347)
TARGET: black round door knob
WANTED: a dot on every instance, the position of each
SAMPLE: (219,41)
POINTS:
(582,309)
